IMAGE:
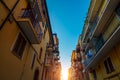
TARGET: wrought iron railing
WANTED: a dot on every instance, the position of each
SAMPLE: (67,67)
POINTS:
(28,13)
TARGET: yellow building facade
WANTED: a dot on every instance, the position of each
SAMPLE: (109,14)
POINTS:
(52,69)
(75,71)
(25,31)
(100,40)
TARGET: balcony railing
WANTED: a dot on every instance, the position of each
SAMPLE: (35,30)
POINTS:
(114,23)
(78,49)
(104,13)
(94,6)
(93,25)
(48,62)
(56,58)
(49,59)
(99,43)
(30,25)
(28,13)
(102,47)
(56,51)
(101,10)
(105,42)
(86,62)
(49,47)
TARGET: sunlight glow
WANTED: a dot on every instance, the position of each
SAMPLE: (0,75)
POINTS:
(64,75)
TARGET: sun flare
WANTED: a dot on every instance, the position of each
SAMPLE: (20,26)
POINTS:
(64,75)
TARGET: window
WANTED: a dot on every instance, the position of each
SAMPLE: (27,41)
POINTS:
(94,75)
(40,53)
(36,74)
(118,10)
(19,46)
(108,65)
(33,61)
(44,34)
(45,30)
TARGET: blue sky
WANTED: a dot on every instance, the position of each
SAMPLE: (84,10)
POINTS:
(67,19)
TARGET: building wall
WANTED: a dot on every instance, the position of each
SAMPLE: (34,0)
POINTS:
(3,10)
(28,71)
(10,4)
(103,19)
(12,67)
(104,3)
(115,58)
(57,73)
(69,74)
(100,68)
(43,46)
(17,11)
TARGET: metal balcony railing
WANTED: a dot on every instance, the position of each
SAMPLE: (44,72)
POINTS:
(28,13)
(48,63)
(49,48)
(99,43)
(94,24)
(100,47)
(30,25)
(56,58)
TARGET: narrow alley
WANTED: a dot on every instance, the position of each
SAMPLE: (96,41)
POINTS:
(59,40)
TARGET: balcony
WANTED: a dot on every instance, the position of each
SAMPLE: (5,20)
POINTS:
(94,6)
(78,49)
(113,25)
(48,63)
(102,7)
(89,46)
(56,49)
(93,25)
(102,47)
(80,66)
(30,26)
(56,52)
(49,47)
(79,57)
(104,15)
(86,62)
(56,58)
(106,41)
(99,43)
(90,54)
(49,60)
(35,4)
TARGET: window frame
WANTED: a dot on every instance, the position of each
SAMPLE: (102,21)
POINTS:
(109,67)
(33,60)
(19,42)
(40,54)
(94,75)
